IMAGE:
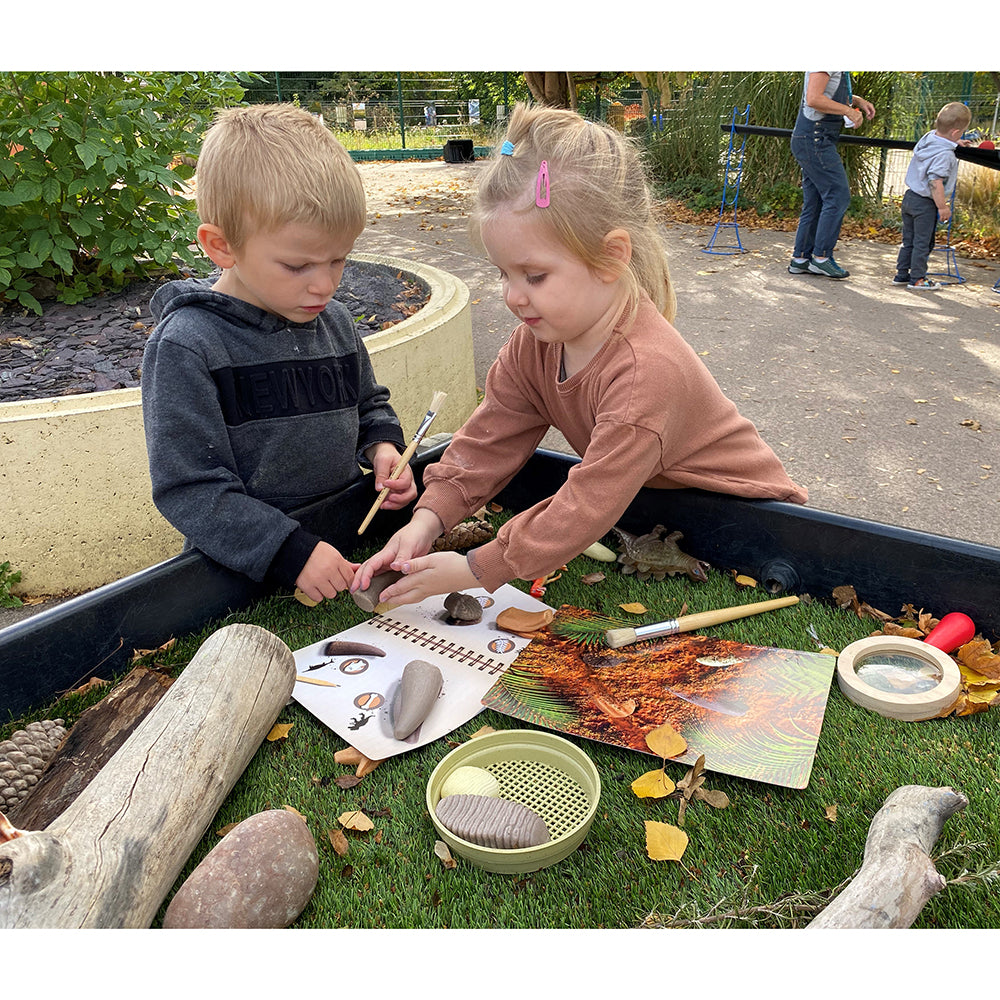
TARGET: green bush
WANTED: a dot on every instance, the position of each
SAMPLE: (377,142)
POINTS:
(92,167)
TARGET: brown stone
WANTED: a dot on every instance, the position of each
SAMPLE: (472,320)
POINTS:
(260,875)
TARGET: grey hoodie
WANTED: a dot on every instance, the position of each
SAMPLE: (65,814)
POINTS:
(933,157)
(248,416)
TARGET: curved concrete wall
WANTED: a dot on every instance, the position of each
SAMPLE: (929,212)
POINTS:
(74,478)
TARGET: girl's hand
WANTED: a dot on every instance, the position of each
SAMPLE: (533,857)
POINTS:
(415,539)
(425,576)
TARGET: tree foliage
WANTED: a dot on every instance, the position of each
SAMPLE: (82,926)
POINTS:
(92,167)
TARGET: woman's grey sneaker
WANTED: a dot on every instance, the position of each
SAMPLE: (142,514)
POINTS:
(798,266)
(829,267)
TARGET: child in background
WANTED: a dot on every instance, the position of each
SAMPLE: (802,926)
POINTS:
(565,214)
(258,394)
(930,183)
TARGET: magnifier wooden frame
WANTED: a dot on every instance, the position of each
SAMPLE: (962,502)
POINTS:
(908,707)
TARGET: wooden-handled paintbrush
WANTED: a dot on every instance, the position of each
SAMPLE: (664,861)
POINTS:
(438,399)
(616,637)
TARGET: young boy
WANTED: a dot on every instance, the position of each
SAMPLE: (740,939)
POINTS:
(258,394)
(930,182)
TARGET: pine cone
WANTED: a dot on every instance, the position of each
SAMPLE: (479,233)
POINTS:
(464,536)
(23,758)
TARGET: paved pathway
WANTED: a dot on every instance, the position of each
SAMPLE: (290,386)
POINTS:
(884,402)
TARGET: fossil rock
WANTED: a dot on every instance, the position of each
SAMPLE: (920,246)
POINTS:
(418,689)
(463,609)
(488,822)
(367,599)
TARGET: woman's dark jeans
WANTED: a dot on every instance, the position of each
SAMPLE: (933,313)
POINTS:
(825,191)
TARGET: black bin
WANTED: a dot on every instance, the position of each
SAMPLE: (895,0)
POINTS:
(459,151)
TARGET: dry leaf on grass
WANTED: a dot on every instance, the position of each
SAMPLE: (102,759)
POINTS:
(665,842)
(339,841)
(280,731)
(635,608)
(355,820)
(653,785)
(442,852)
(303,599)
(295,812)
(691,789)
(665,741)
(978,655)
(830,812)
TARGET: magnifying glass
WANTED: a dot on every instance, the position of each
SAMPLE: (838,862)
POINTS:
(898,677)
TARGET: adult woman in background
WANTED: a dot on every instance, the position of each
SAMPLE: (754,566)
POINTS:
(828,103)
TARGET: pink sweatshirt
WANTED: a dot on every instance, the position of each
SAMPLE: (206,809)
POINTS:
(644,412)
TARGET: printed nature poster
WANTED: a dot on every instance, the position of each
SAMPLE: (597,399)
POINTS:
(753,711)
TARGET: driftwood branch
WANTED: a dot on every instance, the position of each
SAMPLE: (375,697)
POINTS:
(94,739)
(112,856)
(897,875)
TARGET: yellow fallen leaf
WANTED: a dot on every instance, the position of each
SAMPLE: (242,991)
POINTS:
(665,741)
(304,599)
(355,820)
(339,842)
(830,812)
(294,812)
(280,731)
(745,581)
(444,854)
(653,785)
(633,609)
(665,842)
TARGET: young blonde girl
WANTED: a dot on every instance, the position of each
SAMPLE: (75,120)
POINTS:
(565,213)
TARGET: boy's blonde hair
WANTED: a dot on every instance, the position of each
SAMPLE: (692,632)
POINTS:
(597,183)
(953,115)
(267,165)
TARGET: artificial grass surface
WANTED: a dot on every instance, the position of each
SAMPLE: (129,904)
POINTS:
(769,844)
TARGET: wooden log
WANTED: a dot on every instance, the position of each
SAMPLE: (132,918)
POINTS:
(897,875)
(110,858)
(94,739)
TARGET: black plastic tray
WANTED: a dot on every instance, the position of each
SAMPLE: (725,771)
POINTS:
(786,546)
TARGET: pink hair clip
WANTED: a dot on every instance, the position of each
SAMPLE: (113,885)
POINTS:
(542,185)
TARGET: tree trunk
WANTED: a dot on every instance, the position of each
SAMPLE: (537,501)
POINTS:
(110,859)
(897,876)
(94,739)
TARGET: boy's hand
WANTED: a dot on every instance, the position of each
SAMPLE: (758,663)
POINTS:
(325,573)
(402,490)
(425,576)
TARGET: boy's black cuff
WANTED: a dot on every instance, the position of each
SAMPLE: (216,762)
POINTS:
(292,556)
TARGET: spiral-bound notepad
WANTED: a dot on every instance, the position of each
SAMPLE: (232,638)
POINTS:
(470,658)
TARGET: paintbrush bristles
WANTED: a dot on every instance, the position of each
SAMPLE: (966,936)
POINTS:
(438,398)
(616,637)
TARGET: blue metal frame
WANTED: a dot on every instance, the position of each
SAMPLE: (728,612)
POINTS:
(951,263)
(731,180)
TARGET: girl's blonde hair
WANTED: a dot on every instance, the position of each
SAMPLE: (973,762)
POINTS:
(597,183)
(268,165)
